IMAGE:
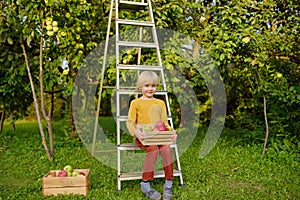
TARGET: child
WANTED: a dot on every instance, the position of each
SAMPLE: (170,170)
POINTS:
(149,110)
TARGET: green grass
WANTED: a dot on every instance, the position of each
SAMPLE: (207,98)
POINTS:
(232,170)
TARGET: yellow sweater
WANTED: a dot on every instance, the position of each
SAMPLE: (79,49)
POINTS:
(145,112)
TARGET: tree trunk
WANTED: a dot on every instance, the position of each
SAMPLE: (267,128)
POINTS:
(2,118)
(13,126)
(36,105)
(265,116)
(48,118)
(267,126)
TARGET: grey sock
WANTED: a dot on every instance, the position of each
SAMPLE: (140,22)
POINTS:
(145,186)
(168,183)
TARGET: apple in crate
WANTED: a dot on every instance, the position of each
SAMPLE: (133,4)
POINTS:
(62,173)
(147,128)
(160,126)
(68,168)
(75,173)
(81,173)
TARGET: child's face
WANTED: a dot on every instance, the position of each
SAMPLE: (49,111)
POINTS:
(149,89)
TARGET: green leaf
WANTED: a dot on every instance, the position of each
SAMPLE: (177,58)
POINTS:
(29,38)
(10,41)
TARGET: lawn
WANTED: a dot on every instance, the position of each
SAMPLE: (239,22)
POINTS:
(232,170)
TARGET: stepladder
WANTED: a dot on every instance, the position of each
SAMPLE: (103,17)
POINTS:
(136,49)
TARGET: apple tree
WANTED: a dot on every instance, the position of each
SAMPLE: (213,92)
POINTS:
(49,40)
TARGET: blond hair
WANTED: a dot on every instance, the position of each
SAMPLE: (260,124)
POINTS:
(147,77)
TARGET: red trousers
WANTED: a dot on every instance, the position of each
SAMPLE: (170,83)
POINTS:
(152,152)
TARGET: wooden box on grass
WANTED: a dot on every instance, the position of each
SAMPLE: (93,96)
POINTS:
(54,185)
(158,137)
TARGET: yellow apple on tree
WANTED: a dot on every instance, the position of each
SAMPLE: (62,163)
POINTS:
(55,23)
(55,29)
(246,39)
(49,27)
(50,33)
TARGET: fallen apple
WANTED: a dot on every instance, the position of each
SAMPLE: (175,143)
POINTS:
(62,173)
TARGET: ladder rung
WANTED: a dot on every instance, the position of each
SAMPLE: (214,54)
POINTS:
(124,118)
(133,146)
(135,22)
(130,5)
(105,151)
(140,67)
(137,44)
(128,146)
(139,92)
(138,175)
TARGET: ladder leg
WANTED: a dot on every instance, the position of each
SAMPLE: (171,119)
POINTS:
(102,78)
(178,165)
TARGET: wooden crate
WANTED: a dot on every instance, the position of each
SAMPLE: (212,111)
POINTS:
(158,138)
(54,185)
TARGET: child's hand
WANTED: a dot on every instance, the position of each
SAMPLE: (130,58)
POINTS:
(174,137)
(139,134)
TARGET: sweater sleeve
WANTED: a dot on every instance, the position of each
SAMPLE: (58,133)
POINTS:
(131,121)
(164,116)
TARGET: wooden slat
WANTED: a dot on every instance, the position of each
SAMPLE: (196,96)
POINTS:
(65,190)
(138,175)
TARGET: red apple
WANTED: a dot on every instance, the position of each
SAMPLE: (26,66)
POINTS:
(162,128)
(81,173)
(62,173)
(160,125)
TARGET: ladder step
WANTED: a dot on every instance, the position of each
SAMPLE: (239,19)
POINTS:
(138,175)
(124,118)
(133,146)
(138,44)
(135,22)
(132,6)
(139,92)
(140,67)
(128,146)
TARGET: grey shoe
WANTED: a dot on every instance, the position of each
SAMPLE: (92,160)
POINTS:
(168,192)
(152,194)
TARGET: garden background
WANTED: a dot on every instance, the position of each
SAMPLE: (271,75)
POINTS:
(253,44)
